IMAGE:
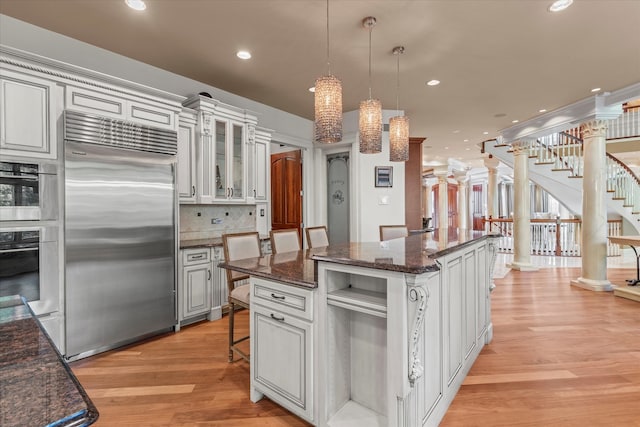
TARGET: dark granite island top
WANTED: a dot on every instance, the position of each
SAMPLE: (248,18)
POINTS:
(36,384)
(415,254)
(293,268)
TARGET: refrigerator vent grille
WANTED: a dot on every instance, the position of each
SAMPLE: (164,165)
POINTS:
(92,129)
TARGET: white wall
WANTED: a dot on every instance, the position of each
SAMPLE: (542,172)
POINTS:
(372,206)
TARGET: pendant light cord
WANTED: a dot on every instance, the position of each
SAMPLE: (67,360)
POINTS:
(398,87)
(370,30)
(328,60)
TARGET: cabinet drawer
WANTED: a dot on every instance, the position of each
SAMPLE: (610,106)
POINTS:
(283,298)
(196,256)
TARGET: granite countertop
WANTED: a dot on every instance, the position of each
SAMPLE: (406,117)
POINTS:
(38,388)
(415,254)
(207,243)
(294,268)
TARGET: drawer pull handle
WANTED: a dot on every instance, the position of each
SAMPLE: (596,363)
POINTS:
(197,256)
(277,296)
(278,318)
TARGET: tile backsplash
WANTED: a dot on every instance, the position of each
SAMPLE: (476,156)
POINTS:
(206,221)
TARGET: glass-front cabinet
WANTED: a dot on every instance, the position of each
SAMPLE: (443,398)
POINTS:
(229,161)
(222,152)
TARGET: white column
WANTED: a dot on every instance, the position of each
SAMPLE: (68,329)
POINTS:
(521,209)
(463,200)
(594,209)
(492,186)
(443,205)
(428,199)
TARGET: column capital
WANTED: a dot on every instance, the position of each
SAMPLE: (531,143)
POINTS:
(461,176)
(522,146)
(491,163)
(594,128)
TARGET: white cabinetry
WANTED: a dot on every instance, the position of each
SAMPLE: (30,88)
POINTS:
(282,345)
(186,170)
(103,103)
(28,112)
(222,151)
(258,178)
(196,291)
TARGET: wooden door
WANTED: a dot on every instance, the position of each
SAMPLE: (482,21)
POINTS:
(477,207)
(286,188)
(452,206)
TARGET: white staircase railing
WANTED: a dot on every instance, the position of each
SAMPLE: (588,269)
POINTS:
(552,237)
(625,126)
(565,152)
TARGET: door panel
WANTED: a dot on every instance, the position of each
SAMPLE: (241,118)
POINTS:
(286,186)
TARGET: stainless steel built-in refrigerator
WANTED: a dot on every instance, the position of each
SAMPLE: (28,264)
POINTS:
(120,232)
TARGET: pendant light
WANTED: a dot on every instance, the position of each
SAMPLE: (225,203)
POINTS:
(328,103)
(398,125)
(370,122)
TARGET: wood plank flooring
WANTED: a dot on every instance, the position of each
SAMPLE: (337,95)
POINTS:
(561,356)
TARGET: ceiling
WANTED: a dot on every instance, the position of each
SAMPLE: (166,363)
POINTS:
(497,60)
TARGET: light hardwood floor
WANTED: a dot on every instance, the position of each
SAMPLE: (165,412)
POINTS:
(561,356)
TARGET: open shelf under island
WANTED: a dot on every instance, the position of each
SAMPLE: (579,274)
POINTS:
(370,334)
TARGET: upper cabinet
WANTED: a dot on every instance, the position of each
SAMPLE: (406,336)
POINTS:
(120,106)
(186,170)
(225,153)
(258,176)
(28,112)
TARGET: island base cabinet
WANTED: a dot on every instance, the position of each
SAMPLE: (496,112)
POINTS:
(281,350)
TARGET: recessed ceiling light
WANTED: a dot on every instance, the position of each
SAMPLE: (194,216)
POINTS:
(433,82)
(559,5)
(542,110)
(485,133)
(243,54)
(446,148)
(468,149)
(596,89)
(515,121)
(456,131)
(312,89)
(466,140)
(136,4)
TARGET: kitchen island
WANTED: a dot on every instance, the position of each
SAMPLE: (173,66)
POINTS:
(370,334)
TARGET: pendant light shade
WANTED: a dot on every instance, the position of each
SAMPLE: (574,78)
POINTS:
(398,125)
(328,103)
(328,109)
(370,126)
(370,121)
(399,139)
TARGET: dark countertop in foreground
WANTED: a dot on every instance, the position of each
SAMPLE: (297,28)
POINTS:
(38,388)
(415,254)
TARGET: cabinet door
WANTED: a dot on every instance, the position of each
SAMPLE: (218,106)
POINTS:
(221,187)
(196,296)
(261,187)
(186,173)
(236,162)
(281,347)
(27,116)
